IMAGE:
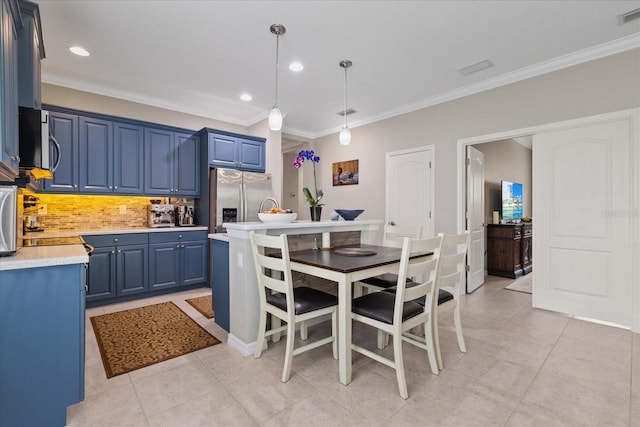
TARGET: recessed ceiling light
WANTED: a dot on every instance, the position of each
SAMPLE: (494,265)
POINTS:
(296,66)
(80,51)
(246,97)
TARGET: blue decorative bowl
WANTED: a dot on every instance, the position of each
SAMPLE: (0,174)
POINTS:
(349,214)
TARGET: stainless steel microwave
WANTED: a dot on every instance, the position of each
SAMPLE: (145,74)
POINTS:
(35,141)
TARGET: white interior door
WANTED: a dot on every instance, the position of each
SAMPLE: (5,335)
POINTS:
(582,238)
(475,218)
(409,189)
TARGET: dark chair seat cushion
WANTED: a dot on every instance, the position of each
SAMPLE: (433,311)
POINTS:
(443,296)
(383,281)
(305,300)
(379,306)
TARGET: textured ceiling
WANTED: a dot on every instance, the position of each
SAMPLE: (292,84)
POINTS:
(199,56)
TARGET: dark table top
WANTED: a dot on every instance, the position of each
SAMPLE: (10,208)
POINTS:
(346,264)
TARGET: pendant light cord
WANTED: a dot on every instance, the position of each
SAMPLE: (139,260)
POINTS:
(277,56)
(345,97)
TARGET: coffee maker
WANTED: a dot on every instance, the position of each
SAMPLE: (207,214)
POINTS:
(160,215)
(185,216)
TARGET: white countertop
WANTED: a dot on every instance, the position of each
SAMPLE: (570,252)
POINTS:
(67,233)
(44,256)
(224,237)
(303,224)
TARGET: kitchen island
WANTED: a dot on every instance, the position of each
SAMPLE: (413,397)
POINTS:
(42,297)
(242,283)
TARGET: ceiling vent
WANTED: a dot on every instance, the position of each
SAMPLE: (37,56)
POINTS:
(474,68)
(346,112)
(629,16)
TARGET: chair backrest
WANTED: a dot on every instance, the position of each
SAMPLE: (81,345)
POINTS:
(266,266)
(425,268)
(451,271)
(394,235)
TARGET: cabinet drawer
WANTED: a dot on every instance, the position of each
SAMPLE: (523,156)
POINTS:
(116,239)
(504,231)
(174,236)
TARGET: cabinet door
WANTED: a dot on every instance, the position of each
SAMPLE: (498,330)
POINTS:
(251,155)
(193,263)
(30,52)
(223,151)
(96,155)
(164,265)
(102,274)
(132,264)
(9,95)
(187,165)
(158,162)
(64,129)
(128,159)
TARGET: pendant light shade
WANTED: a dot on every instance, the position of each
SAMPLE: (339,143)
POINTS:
(345,132)
(275,115)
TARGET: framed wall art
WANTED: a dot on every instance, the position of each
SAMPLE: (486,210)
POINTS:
(345,173)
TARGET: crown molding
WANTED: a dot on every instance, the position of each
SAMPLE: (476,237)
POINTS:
(575,58)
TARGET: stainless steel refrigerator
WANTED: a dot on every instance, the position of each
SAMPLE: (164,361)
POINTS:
(236,196)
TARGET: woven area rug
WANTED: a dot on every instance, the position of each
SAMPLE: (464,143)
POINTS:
(521,284)
(132,339)
(203,305)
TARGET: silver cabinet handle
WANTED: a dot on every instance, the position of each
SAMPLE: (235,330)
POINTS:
(116,187)
(119,251)
(182,246)
(178,246)
(113,251)
(15,158)
(115,240)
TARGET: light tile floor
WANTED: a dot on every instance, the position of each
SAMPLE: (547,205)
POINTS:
(523,367)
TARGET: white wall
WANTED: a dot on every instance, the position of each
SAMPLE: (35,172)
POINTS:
(600,86)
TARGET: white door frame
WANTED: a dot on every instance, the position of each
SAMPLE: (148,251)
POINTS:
(634,116)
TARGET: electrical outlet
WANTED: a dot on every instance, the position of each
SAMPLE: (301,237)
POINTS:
(43,209)
(123,209)
(240,260)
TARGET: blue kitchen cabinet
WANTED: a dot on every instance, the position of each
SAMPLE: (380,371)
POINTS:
(63,129)
(177,258)
(9,156)
(171,160)
(30,53)
(96,155)
(220,282)
(42,313)
(235,151)
(128,158)
(118,267)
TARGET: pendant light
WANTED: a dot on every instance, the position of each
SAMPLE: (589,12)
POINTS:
(345,133)
(275,115)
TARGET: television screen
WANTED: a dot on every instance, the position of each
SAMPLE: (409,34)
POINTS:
(511,201)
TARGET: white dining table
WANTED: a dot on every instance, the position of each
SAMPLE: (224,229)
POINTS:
(345,270)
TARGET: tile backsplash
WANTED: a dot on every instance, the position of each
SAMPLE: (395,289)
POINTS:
(59,212)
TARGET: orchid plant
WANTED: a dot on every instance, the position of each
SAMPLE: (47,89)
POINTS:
(300,159)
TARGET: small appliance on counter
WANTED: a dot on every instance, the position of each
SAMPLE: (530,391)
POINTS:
(185,216)
(31,224)
(160,215)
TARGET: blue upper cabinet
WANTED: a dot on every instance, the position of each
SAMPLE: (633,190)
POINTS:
(96,155)
(171,163)
(63,129)
(9,156)
(235,151)
(128,159)
(30,53)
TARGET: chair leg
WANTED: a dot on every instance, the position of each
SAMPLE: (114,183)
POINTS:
(431,347)
(399,364)
(435,339)
(334,332)
(304,331)
(261,332)
(458,324)
(288,356)
(383,339)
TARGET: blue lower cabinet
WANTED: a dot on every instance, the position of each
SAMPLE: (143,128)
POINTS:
(102,273)
(220,282)
(42,313)
(177,259)
(132,266)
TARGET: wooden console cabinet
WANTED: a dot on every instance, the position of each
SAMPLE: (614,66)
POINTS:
(509,249)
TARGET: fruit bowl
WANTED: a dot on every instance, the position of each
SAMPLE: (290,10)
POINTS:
(277,217)
(349,214)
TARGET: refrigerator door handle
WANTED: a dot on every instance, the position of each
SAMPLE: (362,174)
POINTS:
(241,212)
(245,206)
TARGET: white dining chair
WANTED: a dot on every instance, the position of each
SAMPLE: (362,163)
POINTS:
(279,298)
(393,237)
(395,314)
(451,279)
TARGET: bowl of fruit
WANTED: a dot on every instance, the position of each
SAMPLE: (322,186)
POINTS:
(276,215)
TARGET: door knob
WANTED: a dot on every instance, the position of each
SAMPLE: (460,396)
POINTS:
(392,223)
